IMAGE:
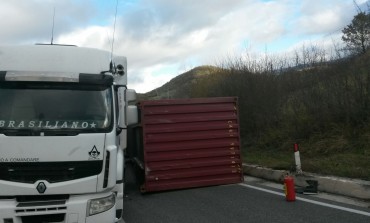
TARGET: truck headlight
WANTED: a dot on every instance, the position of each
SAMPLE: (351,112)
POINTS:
(96,206)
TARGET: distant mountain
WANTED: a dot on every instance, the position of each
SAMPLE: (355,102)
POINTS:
(181,85)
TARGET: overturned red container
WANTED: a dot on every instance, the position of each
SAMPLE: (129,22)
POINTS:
(189,143)
(289,188)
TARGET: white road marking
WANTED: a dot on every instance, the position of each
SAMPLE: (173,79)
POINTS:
(310,201)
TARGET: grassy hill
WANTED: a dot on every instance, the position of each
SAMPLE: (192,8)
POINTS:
(180,86)
(322,105)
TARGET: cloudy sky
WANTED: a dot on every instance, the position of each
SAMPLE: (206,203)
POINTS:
(164,38)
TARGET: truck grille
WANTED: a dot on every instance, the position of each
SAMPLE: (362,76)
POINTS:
(44,218)
(52,172)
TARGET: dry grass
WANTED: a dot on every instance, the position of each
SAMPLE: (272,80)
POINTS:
(335,156)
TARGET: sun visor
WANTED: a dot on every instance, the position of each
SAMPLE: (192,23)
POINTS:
(38,76)
(70,77)
(98,79)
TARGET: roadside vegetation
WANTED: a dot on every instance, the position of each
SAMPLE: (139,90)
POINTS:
(318,98)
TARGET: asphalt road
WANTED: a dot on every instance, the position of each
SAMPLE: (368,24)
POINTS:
(235,203)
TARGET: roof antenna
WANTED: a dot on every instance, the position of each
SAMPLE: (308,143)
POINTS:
(114,30)
(52,29)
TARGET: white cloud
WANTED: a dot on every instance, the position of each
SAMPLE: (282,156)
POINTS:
(155,34)
(323,17)
(92,36)
(361,1)
(31,21)
(148,78)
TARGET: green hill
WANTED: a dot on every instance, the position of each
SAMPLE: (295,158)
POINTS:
(181,85)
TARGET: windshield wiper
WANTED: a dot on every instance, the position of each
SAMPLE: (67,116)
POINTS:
(61,132)
(19,132)
(39,132)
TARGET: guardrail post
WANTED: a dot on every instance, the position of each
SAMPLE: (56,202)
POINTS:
(297,159)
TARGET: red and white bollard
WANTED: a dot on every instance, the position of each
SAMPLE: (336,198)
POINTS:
(297,159)
(289,188)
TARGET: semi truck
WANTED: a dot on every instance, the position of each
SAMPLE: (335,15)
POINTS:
(64,113)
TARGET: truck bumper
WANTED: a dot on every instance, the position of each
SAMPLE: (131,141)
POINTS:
(72,210)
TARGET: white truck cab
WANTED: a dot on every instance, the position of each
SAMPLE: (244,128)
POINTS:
(63,122)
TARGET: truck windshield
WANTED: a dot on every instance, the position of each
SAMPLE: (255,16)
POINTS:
(55,107)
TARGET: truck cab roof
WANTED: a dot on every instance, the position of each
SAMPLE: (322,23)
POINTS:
(61,59)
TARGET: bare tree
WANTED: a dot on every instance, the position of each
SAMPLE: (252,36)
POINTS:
(357,34)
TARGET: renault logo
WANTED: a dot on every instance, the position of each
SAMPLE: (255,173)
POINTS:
(41,187)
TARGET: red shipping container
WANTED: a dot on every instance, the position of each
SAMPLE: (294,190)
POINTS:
(190,143)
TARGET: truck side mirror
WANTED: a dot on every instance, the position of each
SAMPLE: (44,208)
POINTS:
(130,95)
(132,117)
(128,114)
